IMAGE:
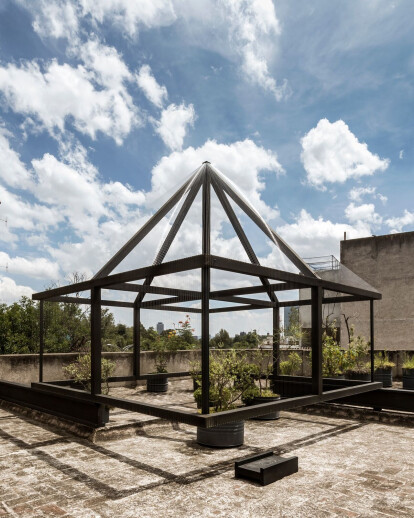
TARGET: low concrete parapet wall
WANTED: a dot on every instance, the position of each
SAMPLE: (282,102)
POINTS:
(24,368)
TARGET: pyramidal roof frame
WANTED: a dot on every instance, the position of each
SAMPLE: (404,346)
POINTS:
(205,178)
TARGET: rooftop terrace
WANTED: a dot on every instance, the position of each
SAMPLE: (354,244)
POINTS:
(156,469)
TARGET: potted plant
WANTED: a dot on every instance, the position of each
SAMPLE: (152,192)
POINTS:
(261,392)
(383,368)
(408,373)
(80,372)
(332,354)
(159,382)
(228,382)
(357,367)
(291,366)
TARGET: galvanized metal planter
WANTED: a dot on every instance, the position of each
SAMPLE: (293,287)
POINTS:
(157,384)
(228,435)
(384,375)
(408,379)
(266,417)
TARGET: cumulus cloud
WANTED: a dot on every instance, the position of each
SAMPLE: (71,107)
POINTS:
(312,237)
(356,193)
(331,153)
(10,291)
(364,213)
(397,224)
(244,31)
(35,267)
(154,92)
(173,124)
(57,94)
(12,170)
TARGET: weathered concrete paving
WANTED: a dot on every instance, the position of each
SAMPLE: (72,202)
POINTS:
(347,468)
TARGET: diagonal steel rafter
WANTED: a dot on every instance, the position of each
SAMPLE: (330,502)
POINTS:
(240,232)
(144,230)
(271,234)
(173,232)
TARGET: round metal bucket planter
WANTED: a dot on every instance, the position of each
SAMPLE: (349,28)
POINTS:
(266,417)
(384,375)
(157,384)
(224,436)
(360,376)
(408,379)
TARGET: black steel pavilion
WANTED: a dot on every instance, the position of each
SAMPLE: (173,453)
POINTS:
(270,281)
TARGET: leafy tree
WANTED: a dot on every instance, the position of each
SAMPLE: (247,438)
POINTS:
(221,340)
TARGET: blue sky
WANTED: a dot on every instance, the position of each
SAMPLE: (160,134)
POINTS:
(105,107)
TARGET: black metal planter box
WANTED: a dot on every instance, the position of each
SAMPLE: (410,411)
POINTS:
(266,468)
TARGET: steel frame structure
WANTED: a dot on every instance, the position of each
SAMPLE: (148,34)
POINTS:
(206,178)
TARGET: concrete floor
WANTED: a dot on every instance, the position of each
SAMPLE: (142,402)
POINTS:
(346,468)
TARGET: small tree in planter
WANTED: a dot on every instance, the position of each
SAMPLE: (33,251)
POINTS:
(291,366)
(383,368)
(229,379)
(408,373)
(159,383)
(80,372)
(333,359)
(262,392)
(356,358)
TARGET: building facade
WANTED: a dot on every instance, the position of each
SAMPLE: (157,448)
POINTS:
(387,264)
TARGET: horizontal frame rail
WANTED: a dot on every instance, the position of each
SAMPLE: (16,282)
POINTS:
(209,420)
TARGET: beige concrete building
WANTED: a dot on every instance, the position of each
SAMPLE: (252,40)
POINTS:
(387,264)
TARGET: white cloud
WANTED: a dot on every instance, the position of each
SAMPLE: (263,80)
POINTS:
(332,153)
(172,127)
(154,92)
(60,94)
(401,154)
(363,213)
(11,292)
(129,16)
(382,198)
(311,237)
(243,162)
(12,170)
(356,193)
(57,19)
(397,224)
(35,267)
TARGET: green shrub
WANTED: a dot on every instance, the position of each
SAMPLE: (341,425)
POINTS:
(408,362)
(382,361)
(80,372)
(291,366)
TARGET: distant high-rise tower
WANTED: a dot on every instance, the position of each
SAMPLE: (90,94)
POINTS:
(160,327)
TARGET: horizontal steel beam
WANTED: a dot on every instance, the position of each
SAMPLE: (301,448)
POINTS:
(249,290)
(222,263)
(90,413)
(245,307)
(181,309)
(158,290)
(180,265)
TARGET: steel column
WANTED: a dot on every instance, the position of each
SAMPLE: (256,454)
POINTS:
(316,340)
(276,341)
(41,340)
(372,343)
(205,300)
(137,343)
(96,345)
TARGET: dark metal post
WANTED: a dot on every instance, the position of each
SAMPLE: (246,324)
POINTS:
(316,340)
(205,300)
(371,319)
(276,341)
(137,344)
(96,346)
(41,340)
